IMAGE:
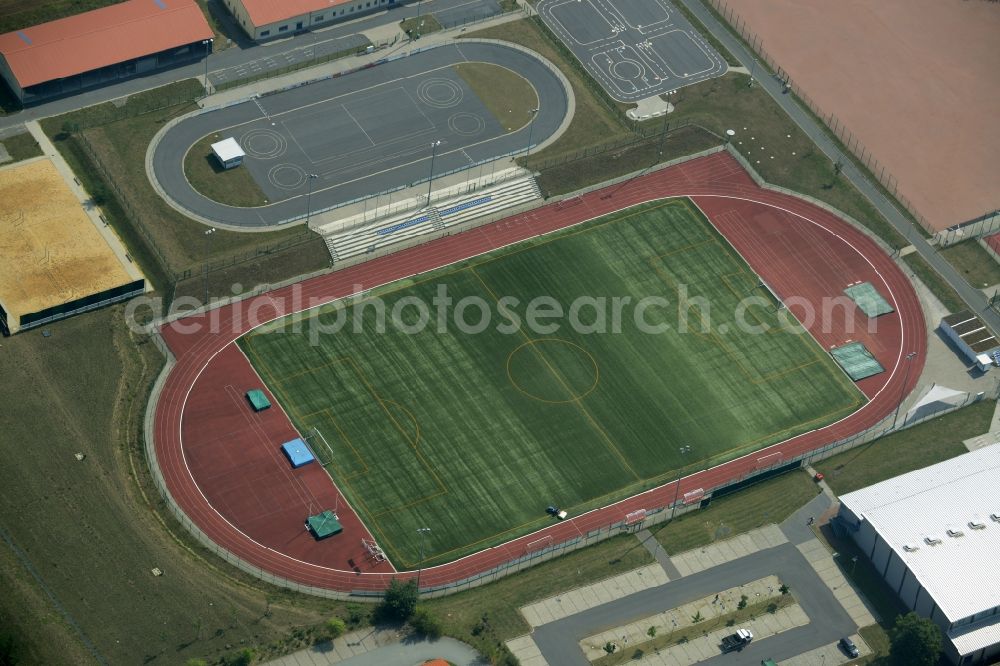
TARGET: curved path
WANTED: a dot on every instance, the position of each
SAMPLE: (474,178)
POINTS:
(207,446)
(363,133)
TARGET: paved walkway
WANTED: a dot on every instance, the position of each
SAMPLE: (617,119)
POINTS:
(589,596)
(632,636)
(86,202)
(817,584)
(722,552)
(973,297)
(650,543)
(706,647)
(282,52)
(823,563)
(381,647)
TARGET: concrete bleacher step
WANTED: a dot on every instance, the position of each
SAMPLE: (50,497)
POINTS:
(444,214)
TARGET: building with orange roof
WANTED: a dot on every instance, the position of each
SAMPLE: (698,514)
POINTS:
(269,19)
(102,46)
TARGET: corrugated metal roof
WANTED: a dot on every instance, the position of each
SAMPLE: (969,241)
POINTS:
(926,503)
(265,12)
(974,637)
(102,37)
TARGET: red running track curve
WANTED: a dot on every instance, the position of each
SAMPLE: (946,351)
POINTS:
(220,462)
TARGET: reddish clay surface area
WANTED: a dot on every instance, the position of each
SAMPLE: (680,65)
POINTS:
(917,81)
(222,465)
(993,241)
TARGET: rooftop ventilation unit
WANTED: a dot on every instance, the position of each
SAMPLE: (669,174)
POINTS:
(976,525)
(956,533)
(995,517)
(932,540)
(910,548)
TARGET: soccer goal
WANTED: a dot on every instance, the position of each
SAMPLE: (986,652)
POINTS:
(372,551)
(762,284)
(322,449)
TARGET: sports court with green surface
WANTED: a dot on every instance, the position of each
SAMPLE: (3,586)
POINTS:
(474,435)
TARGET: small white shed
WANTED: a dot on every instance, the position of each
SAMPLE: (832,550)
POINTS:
(228,152)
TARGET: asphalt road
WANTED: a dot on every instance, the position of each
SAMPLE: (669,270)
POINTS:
(254,58)
(973,297)
(380,145)
(559,641)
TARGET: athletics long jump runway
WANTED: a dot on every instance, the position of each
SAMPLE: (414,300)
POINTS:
(359,134)
(634,48)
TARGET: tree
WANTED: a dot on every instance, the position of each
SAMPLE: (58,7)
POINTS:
(335,628)
(244,657)
(426,623)
(914,641)
(399,602)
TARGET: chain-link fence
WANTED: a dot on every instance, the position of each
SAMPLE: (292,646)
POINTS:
(984,225)
(849,141)
(364,46)
(545,549)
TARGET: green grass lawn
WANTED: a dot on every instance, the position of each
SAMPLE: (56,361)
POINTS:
(974,263)
(417,27)
(928,443)
(593,122)
(475,434)
(507,94)
(120,138)
(500,601)
(22,146)
(769,501)
(234,187)
(942,290)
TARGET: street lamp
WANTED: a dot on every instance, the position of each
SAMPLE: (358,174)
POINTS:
(531,124)
(208,50)
(902,390)
(663,135)
(684,450)
(430,181)
(208,233)
(309,194)
(422,531)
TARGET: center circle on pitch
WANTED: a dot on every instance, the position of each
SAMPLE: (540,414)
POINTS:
(264,144)
(466,124)
(287,176)
(440,93)
(626,70)
(553,370)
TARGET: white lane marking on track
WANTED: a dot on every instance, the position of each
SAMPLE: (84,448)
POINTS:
(748,457)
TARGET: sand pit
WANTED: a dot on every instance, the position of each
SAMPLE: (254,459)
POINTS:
(52,253)
(917,81)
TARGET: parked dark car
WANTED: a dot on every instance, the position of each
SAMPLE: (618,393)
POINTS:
(848,646)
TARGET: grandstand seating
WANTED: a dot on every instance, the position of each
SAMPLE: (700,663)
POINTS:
(445,213)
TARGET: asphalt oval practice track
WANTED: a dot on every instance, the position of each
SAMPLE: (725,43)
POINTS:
(360,134)
(220,463)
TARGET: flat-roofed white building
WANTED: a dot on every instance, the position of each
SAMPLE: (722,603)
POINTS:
(934,535)
(269,19)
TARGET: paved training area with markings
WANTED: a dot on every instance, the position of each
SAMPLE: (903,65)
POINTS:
(634,48)
(360,134)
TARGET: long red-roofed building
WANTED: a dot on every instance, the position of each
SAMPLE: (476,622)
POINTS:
(269,19)
(102,46)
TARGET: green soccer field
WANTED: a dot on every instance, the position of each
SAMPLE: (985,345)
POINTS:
(473,434)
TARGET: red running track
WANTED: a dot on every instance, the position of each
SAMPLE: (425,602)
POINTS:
(221,463)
